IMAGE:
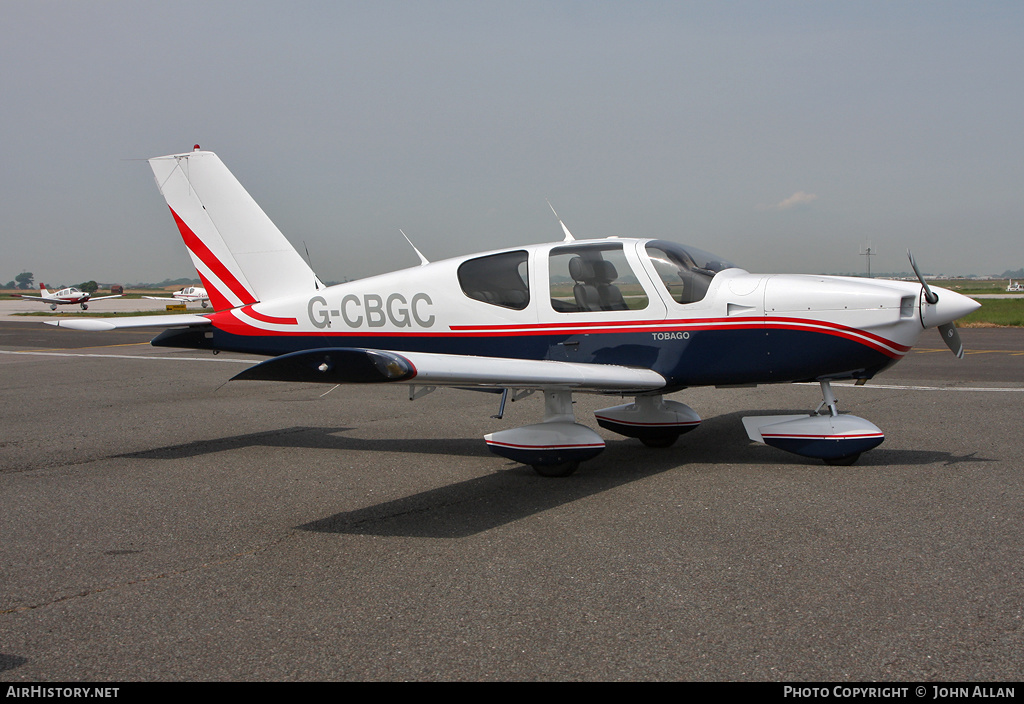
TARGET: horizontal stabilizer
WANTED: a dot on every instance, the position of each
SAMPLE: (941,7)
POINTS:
(135,321)
(355,365)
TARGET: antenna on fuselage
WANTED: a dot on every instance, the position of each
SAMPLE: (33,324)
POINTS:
(568,235)
(316,279)
(423,260)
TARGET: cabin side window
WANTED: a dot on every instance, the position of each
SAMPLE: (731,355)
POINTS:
(499,279)
(593,278)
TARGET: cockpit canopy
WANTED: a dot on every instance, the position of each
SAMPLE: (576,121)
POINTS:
(685,271)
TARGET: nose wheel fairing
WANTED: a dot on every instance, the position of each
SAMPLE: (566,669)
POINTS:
(820,437)
(836,438)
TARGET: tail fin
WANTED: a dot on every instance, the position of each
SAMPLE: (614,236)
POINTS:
(239,253)
(42,290)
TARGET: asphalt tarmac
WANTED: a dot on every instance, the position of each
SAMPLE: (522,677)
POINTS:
(159,523)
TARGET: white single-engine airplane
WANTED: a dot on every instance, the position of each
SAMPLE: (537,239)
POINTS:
(65,296)
(188,294)
(631,317)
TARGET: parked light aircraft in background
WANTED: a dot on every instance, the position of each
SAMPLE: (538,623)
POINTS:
(65,296)
(618,316)
(189,294)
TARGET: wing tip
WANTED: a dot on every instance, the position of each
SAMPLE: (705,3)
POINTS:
(89,324)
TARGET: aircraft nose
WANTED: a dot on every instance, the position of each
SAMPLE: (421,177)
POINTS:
(950,306)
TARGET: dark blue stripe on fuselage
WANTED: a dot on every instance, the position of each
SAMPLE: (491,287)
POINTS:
(707,357)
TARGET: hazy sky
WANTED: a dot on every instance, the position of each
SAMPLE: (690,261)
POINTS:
(784,136)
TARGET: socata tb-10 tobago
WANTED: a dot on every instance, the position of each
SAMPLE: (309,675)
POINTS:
(623,316)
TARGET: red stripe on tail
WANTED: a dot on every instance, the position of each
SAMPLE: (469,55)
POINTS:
(203,253)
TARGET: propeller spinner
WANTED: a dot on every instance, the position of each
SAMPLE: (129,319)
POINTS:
(942,315)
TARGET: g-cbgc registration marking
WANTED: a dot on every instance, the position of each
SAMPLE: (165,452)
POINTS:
(373,311)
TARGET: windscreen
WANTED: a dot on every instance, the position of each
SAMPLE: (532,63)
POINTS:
(686,272)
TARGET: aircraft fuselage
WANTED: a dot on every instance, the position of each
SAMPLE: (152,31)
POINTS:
(732,328)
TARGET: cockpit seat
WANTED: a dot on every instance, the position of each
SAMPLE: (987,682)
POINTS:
(611,297)
(586,293)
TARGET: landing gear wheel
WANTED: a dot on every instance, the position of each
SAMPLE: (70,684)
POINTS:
(53,306)
(661,440)
(556,470)
(842,461)
(85,306)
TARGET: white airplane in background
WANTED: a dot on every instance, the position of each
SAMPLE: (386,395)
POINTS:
(617,316)
(189,294)
(65,296)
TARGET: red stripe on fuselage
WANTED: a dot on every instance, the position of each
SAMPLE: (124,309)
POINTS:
(877,342)
(231,324)
(689,324)
(785,323)
(256,315)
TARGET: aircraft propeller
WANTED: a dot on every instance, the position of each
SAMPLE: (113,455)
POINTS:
(948,330)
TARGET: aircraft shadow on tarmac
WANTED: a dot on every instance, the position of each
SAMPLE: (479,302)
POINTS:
(314,438)
(513,491)
(9,662)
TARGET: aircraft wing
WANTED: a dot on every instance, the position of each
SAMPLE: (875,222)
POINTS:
(342,365)
(134,321)
(39,298)
(100,298)
(183,299)
(176,299)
